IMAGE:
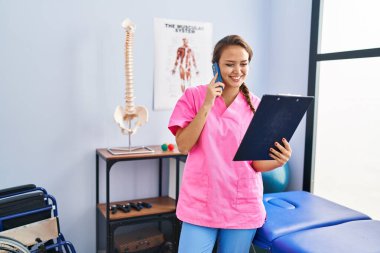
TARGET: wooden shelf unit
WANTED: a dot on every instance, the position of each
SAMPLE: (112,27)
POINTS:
(163,207)
(160,205)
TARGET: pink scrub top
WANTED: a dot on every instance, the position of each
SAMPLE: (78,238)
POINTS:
(217,191)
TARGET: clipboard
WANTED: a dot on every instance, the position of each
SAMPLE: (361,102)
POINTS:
(276,117)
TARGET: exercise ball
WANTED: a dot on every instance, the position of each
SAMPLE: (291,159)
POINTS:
(276,180)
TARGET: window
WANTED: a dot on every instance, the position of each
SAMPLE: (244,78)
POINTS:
(341,157)
(349,25)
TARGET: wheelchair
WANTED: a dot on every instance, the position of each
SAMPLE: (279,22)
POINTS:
(29,222)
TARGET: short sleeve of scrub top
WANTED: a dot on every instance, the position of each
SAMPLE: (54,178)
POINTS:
(183,113)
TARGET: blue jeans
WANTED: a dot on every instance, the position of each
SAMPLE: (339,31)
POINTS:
(198,239)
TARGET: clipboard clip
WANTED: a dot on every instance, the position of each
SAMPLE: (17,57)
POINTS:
(289,94)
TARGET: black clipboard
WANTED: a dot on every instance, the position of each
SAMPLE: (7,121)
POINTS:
(276,117)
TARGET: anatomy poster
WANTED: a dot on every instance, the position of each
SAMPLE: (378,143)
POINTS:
(183,52)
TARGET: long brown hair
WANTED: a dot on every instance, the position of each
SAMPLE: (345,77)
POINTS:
(234,40)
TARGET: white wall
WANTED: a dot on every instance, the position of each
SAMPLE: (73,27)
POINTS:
(61,77)
(287,67)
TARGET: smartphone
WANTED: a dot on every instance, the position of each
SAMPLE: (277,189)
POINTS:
(215,69)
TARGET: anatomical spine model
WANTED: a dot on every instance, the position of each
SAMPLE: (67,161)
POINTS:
(139,114)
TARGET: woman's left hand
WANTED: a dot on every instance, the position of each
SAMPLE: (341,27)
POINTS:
(283,152)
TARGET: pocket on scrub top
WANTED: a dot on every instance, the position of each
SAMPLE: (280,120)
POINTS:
(195,191)
(247,195)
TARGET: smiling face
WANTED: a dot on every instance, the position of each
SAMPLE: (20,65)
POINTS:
(233,64)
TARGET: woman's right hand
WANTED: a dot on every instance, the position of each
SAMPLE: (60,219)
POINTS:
(214,89)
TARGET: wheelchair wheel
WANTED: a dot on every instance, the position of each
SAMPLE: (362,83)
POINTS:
(8,245)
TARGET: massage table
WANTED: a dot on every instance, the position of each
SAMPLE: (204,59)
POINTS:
(301,222)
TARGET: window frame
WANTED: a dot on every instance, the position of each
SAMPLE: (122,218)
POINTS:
(314,58)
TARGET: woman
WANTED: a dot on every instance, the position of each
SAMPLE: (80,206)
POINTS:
(221,199)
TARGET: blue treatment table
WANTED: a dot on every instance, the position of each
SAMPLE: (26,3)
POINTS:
(351,237)
(291,214)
